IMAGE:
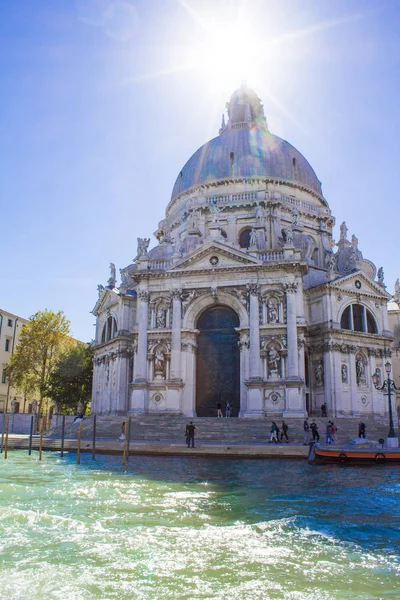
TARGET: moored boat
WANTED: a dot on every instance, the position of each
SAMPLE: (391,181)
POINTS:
(357,451)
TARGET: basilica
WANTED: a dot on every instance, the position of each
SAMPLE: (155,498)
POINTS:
(246,299)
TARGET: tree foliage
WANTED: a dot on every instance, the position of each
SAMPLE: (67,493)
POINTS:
(71,381)
(41,341)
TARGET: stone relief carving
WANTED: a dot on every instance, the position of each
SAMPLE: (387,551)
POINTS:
(244,342)
(188,297)
(344,374)
(143,295)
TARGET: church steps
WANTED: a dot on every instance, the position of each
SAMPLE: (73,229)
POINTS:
(171,428)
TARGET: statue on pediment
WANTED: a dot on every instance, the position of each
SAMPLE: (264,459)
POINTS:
(143,244)
(381,276)
(343,231)
(100,289)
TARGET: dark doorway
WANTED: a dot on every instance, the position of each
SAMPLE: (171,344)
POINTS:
(218,362)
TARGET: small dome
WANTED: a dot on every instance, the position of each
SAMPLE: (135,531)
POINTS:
(245,148)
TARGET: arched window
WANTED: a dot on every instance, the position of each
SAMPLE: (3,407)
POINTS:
(109,329)
(358,318)
(244,238)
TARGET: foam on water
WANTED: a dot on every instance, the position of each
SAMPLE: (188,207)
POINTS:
(191,528)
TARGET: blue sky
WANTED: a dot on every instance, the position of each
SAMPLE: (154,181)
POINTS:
(103,101)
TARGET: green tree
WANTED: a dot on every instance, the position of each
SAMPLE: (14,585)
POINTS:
(71,381)
(41,341)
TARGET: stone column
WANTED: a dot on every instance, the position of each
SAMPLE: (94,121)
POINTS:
(255,363)
(292,365)
(176,335)
(141,356)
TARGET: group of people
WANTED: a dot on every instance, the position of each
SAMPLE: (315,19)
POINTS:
(312,428)
(277,435)
(227,410)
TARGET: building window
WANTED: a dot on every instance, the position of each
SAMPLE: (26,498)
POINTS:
(244,238)
(10,323)
(358,318)
(109,329)
(7,345)
(3,377)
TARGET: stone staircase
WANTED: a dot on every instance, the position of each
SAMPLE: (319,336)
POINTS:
(166,428)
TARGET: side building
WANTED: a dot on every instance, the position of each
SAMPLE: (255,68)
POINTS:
(10,326)
(246,297)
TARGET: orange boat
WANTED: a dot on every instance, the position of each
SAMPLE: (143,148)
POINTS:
(355,452)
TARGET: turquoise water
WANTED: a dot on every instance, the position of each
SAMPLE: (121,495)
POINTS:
(186,528)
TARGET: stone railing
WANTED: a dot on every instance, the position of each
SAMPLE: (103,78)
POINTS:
(159,265)
(271,256)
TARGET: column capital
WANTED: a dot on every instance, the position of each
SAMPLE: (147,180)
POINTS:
(253,289)
(177,294)
(291,288)
(143,295)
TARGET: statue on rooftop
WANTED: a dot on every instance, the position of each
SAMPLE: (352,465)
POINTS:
(143,244)
(343,231)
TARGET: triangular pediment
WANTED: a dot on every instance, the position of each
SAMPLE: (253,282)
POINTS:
(360,284)
(214,255)
(107,299)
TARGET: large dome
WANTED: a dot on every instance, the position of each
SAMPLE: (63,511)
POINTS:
(245,148)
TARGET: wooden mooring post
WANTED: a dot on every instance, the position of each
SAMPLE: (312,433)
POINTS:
(94,438)
(41,438)
(125,442)
(3,428)
(30,435)
(79,443)
(6,443)
(129,438)
(62,435)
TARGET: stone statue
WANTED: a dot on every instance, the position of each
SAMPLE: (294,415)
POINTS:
(319,373)
(188,299)
(260,213)
(295,217)
(344,374)
(273,360)
(125,278)
(100,289)
(343,231)
(253,238)
(288,235)
(159,363)
(381,276)
(360,369)
(113,274)
(143,244)
(161,318)
(354,242)
(272,312)
(331,259)
(215,211)
(397,288)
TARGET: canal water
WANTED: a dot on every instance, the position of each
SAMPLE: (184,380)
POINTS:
(185,528)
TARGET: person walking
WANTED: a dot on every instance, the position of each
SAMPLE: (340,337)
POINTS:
(306,429)
(314,431)
(328,439)
(219,409)
(361,430)
(323,410)
(285,428)
(190,429)
(334,430)
(274,432)
(227,410)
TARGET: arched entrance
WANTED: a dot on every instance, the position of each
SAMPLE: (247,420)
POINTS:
(218,362)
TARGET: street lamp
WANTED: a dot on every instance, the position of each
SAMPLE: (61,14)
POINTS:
(388,385)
